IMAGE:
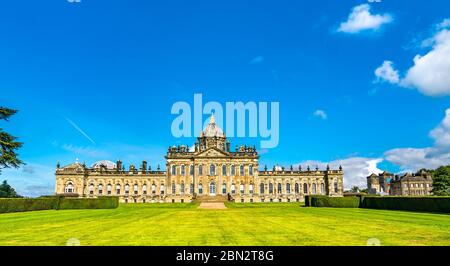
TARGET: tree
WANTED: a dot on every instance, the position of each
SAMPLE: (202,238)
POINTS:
(355,189)
(6,191)
(8,144)
(441,181)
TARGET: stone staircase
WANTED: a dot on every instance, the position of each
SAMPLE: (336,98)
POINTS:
(218,198)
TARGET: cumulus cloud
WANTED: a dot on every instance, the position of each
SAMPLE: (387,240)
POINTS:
(413,159)
(321,114)
(386,72)
(356,169)
(430,73)
(361,19)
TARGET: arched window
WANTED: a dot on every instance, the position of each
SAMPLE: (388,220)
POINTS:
(127,189)
(91,189)
(108,189)
(200,188)
(270,188)
(322,189)
(224,188)
(296,188)
(174,188)
(279,188)
(118,189)
(212,188)
(161,189)
(212,169)
(182,188)
(313,188)
(144,189)
(191,170)
(305,188)
(135,189)
(69,188)
(336,187)
(153,188)
(224,170)
(233,188)
(288,188)
(233,170)
(250,170)
(241,188)
(241,170)
(183,170)
(250,189)
(200,169)
(191,189)
(261,188)
(100,189)
(174,170)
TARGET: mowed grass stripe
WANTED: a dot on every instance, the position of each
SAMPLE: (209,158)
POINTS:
(239,224)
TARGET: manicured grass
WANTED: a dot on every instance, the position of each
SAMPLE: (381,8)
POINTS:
(240,224)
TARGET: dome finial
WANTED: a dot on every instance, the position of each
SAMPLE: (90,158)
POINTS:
(212,119)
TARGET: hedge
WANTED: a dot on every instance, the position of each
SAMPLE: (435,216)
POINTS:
(428,204)
(337,202)
(96,203)
(56,203)
(24,205)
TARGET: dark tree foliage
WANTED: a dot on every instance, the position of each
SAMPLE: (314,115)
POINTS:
(441,181)
(6,191)
(8,143)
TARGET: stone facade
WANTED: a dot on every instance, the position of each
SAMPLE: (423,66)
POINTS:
(418,184)
(211,169)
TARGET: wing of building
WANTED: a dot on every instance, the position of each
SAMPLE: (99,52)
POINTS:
(210,170)
(418,184)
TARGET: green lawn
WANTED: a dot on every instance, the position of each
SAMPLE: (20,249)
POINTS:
(240,224)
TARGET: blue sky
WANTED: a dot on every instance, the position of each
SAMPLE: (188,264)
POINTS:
(114,69)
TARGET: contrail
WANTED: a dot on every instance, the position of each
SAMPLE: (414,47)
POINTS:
(80,130)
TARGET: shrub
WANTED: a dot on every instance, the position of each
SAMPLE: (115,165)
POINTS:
(57,203)
(429,204)
(24,205)
(336,202)
(96,203)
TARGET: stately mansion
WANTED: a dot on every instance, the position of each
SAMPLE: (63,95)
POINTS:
(408,184)
(210,170)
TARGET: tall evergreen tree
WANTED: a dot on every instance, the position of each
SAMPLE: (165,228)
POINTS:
(6,191)
(8,143)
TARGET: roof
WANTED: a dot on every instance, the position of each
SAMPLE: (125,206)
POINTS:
(105,163)
(212,130)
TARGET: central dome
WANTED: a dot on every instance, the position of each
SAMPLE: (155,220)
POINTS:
(212,130)
(104,163)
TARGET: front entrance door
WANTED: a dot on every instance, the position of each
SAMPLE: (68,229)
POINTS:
(212,189)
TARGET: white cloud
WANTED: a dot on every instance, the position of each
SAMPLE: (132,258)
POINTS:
(412,159)
(80,151)
(386,72)
(444,24)
(430,73)
(360,19)
(257,60)
(356,169)
(321,114)
(31,180)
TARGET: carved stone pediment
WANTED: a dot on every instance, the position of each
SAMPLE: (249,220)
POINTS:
(212,153)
